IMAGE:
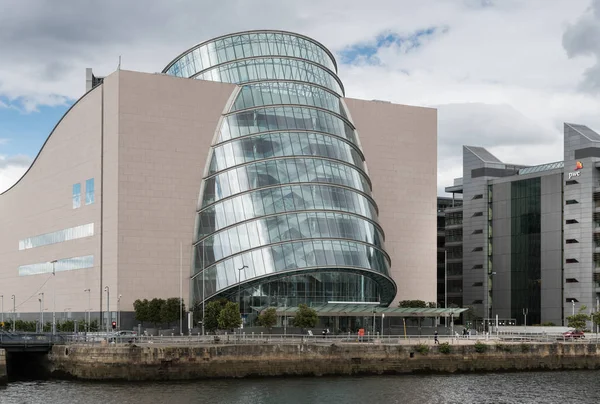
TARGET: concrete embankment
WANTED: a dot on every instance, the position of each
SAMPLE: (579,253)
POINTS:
(3,373)
(159,362)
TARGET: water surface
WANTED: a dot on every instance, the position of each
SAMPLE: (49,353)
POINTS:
(562,387)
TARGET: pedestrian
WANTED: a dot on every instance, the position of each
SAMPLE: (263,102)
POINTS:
(323,332)
(435,337)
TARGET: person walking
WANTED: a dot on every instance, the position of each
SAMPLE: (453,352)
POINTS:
(435,337)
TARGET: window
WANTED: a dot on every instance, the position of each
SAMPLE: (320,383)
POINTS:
(571,221)
(76,195)
(571,202)
(571,300)
(59,236)
(477,302)
(572,280)
(477,214)
(572,241)
(477,249)
(66,264)
(479,231)
(572,261)
(478,266)
(89,191)
(478,196)
(478,284)
(571,182)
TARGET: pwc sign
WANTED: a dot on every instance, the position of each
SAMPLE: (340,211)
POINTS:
(576,173)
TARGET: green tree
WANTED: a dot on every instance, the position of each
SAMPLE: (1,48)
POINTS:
(142,310)
(154,309)
(229,317)
(305,317)
(211,314)
(579,319)
(268,318)
(412,304)
(169,312)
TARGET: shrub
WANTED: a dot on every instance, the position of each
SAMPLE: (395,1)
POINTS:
(503,348)
(524,348)
(445,348)
(422,349)
(480,347)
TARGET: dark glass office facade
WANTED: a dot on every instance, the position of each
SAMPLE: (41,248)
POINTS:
(285,214)
(526,249)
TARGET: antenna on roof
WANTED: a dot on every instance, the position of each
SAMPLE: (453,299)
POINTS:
(119,66)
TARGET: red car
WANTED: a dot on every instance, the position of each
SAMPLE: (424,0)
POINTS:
(573,334)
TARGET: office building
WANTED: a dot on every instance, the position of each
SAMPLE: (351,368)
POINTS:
(530,245)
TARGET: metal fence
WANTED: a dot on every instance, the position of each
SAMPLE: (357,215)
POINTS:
(265,338)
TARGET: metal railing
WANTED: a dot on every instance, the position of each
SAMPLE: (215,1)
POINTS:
(265,338)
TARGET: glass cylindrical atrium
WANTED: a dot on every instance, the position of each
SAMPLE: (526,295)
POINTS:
(285,214)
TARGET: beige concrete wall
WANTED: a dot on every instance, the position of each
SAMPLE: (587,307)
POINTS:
(110,194)
(41,202)
(166,127)
(400,147)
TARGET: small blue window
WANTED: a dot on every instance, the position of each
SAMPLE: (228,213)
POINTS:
(89,191)
(76,195)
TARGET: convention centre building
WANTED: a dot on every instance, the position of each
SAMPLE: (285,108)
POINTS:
(239,171)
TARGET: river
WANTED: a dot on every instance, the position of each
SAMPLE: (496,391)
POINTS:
(526,387)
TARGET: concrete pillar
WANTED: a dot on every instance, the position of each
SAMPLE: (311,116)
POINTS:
(3,374)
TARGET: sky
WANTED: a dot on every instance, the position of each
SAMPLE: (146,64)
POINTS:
(503,74)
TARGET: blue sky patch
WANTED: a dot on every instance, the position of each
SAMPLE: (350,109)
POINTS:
(366,51)
(25,133)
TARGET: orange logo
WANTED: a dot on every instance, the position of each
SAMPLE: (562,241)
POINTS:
(578,165)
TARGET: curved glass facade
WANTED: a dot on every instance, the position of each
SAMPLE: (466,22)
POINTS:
(283,144)
(287,93)
(274,200)
(285,211)
(285,118)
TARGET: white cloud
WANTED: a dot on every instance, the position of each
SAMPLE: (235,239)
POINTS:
(11,169)
(505,74)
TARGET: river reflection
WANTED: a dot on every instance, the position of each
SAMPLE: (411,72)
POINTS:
(528,387)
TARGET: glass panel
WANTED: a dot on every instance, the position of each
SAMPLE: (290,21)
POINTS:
(274,172)
(282,144)
(288,199)
(239,46)
(274,69)
(76,195)
(72,233)
(89,191)
(295,226)
(66,264)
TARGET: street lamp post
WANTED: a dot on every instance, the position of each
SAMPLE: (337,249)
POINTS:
(525,312)
(14,312)
(89,310)
(107,290)
(382,317)
(446,286)
(573,304)
(41,311)
(488,312)
(53,262)
(119,312)
(203,293)
(240,292)
(374,322)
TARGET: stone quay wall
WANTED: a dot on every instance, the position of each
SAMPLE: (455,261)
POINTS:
(3,372)
(160,362)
